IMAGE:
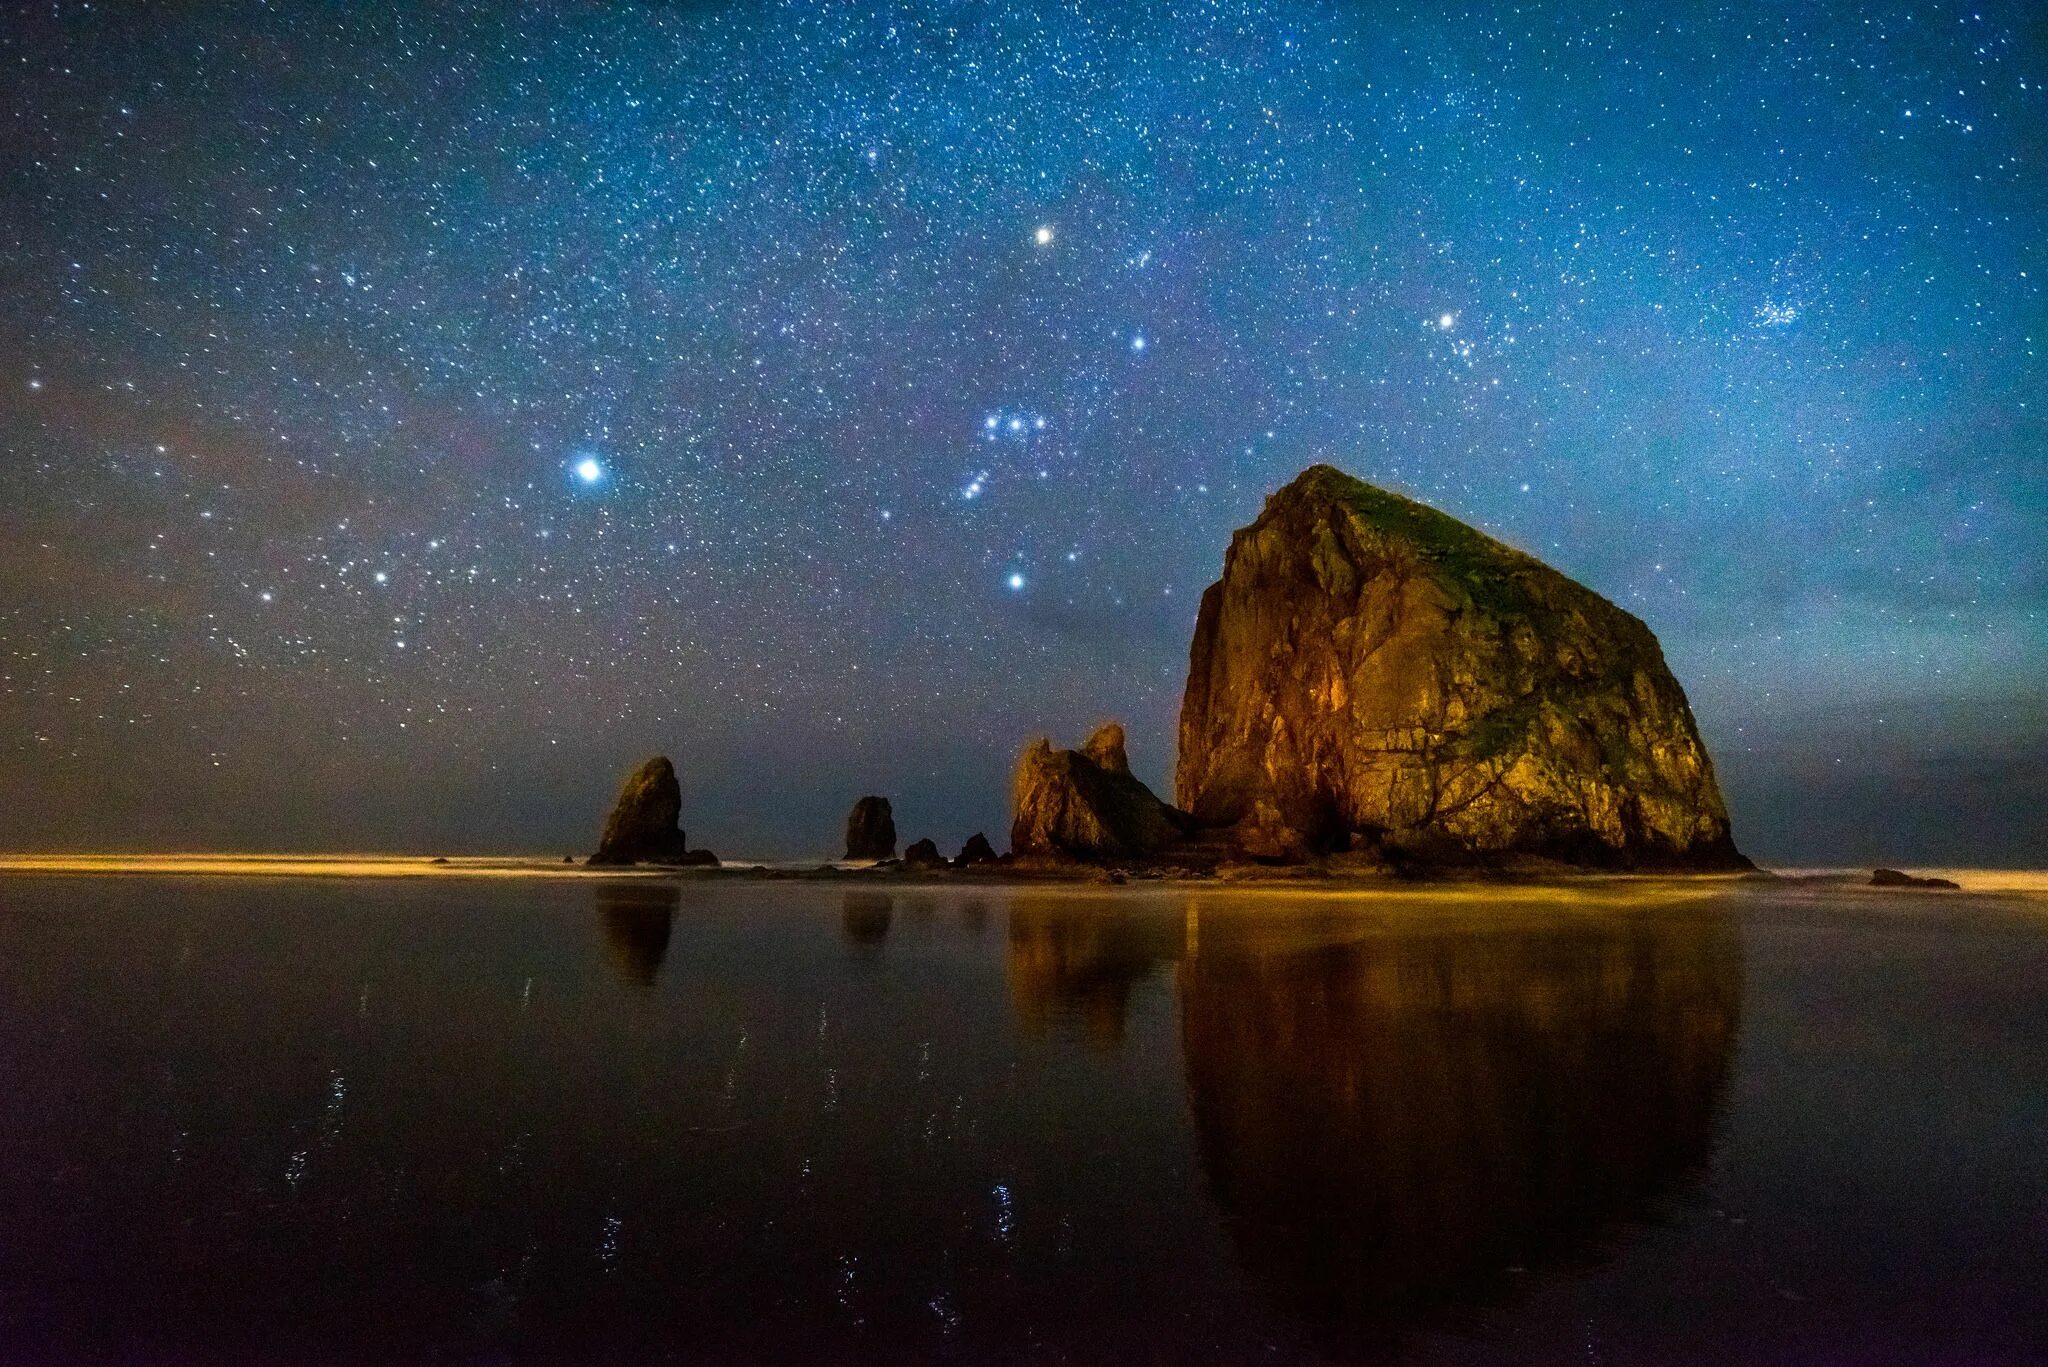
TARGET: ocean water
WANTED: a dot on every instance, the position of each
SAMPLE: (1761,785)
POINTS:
(507,1120)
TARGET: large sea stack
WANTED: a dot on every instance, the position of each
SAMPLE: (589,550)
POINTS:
(1372,672)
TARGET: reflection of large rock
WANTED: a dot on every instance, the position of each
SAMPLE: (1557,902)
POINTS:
(1369,668)
(643,825)
(1086,803)
(871,830)
(638,918)
(1392,1124)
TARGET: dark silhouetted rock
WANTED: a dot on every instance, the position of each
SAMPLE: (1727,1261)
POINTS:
(1086,804)
(923,854)
(871,830)
(1893,878)
(642,827)
(1370,671)
(977,850)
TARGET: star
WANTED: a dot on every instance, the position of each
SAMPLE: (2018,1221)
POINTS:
(589,470)
(1016,582)
(1043,236)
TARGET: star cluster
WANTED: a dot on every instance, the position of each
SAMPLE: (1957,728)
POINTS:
(410,416)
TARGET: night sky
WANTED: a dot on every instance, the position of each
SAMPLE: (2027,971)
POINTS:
(411,417)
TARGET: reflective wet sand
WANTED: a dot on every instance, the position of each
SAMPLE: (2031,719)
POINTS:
(536,1120)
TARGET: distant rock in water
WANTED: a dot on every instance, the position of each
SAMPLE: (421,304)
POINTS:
(1893,878)
(977,850)
(643,825)
(871,830)
(923,854)
(1086,804)
(1371,671)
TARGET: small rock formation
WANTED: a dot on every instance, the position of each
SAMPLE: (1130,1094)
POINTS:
(1370,672)
(1893,878)
(642,828)
(871,830)
(1086,804)
(977,850)
(923,854)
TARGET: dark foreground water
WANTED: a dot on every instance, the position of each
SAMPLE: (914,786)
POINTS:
(474,1121)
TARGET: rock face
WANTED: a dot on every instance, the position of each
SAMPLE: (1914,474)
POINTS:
(642,827)
(1086,804)
(1369,671)
(871,830)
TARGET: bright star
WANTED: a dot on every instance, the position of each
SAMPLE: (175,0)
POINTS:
(1138,342)
(588,470)
(1447,321)
(1043,236)
(1016,582)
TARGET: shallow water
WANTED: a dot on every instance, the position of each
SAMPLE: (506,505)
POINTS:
(342,1120)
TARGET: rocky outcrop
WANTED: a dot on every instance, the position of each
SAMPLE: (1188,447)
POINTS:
(1086,803)
(1370,672)
(977,850)
(642,828)
(871,830)
(1893,878)
(923,854)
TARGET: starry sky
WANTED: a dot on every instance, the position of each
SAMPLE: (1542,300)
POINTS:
(412,416)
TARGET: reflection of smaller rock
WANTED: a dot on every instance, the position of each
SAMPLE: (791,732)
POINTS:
(637,918)
(864,918)
(871,830)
